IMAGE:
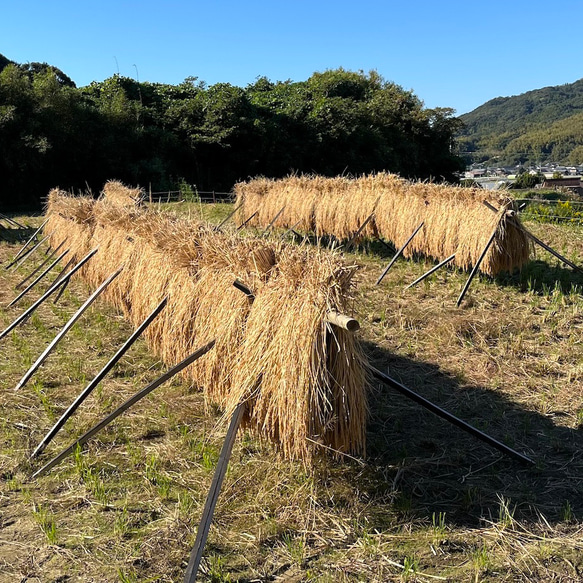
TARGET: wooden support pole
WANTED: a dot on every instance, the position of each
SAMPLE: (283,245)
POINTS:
(246,221)
(272,221)
(124,407)
(398,254)
(13,222)
(32,284)
(331,317)
(97,379)
(218,227)
(242,287)
(37,269)
(386,245)
(213,495)
(66,328)
(537,240)
(33,236)
(291,230)
(448,416)
(432,270)
(478,262)
(20,260)
(47,294)
(342,321)
(351,241)
(62,272)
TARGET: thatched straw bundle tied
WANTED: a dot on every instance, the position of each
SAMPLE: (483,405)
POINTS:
(311,374)
(71,222)
(121,195)
(455,219)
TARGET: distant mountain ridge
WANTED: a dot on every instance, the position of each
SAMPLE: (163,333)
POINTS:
(540,125)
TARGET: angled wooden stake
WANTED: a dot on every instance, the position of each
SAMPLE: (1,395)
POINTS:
(33,236)
(97,379)
(37,269)
(291,230)
(478,262)
(47,294)
(398,254)
(218,227)
(20,260)
(272,221)
(13,222)
(246,221)
(432,270)
(66,328)
(32,284)
(350,243)
(124,407)
(537,240)
(213,495)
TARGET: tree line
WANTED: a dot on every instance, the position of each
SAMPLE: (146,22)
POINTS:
(157,135)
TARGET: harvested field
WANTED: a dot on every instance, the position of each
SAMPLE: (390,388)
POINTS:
(455,219)
(427,504)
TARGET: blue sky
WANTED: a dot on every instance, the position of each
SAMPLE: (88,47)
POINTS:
(451,54)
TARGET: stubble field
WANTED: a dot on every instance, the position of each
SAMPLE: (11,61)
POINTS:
(429,502)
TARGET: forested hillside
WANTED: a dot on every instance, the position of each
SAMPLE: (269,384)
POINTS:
(55,134)
(541,125)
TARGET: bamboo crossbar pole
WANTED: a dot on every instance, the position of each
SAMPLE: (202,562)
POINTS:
(335,318)
(242,287)
(432,270)
(342,321)
(222,223)
(30,239)
(67,327)
(398,253)
(213,495)
(47,294)
(35,282)
(449,416)
(37,269)
(20,260)
(537,240)
(273,221)
(97,379)
(478,262)
(124,407)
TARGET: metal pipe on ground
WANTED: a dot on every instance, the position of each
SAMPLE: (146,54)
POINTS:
(449,417)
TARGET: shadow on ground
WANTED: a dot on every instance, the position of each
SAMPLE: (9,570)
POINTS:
(429,466)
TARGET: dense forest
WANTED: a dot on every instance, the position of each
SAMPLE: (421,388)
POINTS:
(156,135)
(537,126)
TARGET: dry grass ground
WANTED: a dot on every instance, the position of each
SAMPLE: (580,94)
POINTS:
(428,504)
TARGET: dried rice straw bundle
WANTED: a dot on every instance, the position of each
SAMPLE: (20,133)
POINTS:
(70,220)
(120,195)
(455,219)
(312,374)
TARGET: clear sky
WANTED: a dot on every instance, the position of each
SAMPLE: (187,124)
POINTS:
(454,53)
